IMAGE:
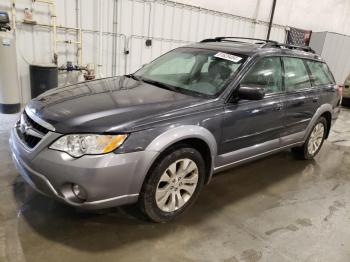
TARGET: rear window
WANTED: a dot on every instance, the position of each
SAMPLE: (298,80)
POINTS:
(296,74)
(320,73)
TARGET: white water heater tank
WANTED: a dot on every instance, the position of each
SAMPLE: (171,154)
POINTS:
(9,84)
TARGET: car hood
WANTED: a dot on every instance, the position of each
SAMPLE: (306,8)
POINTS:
(118,104)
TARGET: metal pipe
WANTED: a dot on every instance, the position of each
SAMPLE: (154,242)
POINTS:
(52,8)
(69,42)
(79,34)
(99,65)
(80,48)
(65,28)
(149,19)
(115,41)
(13,13)
(44,1)
(271,19)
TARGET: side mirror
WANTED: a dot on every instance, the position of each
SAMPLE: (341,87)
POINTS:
(251,92)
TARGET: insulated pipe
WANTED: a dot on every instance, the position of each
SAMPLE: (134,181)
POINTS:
(54,32)
(52,7)
(271,19)
(13,13)
(100,41)
(115,40)
(79,33)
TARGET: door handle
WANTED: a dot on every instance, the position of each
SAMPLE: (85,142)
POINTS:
(315,99)
(278,107)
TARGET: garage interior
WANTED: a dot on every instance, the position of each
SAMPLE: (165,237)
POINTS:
(273,209)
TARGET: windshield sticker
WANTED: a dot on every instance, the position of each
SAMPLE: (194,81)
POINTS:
(229,57)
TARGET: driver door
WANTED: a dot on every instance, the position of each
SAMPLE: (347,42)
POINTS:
(254,127)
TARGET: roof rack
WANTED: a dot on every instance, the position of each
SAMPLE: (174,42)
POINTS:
(232,39)
(265,43)
(288,46)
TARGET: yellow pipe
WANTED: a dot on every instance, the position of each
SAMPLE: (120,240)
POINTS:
(45,1)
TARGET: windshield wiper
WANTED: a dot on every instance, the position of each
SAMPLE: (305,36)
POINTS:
(153,82)
(160,84)
(137,78)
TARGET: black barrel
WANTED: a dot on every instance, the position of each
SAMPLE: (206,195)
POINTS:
(42,78)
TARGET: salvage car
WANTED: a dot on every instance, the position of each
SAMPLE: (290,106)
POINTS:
(157,136)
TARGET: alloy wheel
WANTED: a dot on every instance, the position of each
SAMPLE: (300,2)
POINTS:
(177,185)
(316,138)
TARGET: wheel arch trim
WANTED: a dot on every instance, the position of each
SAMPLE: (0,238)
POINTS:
(319,112)
(180,133)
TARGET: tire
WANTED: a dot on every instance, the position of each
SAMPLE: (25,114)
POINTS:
(150,200)
(305,151)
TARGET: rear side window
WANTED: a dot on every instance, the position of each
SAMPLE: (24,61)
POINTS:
(296,75)
(266,73)
(320,73)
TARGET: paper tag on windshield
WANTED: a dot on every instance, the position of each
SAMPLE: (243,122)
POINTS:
(229,57)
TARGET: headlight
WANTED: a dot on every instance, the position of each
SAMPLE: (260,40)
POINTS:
(88,144)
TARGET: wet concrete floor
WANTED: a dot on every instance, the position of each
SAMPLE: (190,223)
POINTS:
(274,209)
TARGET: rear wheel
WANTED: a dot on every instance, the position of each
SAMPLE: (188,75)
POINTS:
(173,184)
(314,141)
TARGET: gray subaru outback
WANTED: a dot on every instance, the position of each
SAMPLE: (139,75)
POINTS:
(157,136)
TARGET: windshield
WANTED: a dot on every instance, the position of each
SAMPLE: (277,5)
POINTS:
(190,70)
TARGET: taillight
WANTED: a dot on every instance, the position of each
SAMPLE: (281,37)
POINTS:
(339,89)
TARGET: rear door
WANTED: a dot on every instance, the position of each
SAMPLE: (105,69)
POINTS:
(322,81)
(301,100)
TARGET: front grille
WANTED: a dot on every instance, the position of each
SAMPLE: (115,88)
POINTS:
(30,141)
(29,131)
(35,125)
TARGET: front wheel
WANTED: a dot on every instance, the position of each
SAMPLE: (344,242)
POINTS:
(173,184)
(314,141)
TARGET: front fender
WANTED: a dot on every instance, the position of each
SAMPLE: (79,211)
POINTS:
(164,141)
(171,136)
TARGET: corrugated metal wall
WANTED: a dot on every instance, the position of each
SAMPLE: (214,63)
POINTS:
(170,25)
(336,52)
(167,23)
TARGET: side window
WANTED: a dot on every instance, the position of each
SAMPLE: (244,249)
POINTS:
(320,73)
(296,75)
(266,73)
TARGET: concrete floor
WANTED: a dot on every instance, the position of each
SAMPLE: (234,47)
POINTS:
(275,209)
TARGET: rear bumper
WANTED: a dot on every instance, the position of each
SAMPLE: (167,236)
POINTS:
(109,180)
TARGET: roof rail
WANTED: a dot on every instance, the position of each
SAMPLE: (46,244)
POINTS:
(288,46)
(265,44)
(232,39)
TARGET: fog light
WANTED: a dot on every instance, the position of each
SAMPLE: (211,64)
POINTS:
(79,192)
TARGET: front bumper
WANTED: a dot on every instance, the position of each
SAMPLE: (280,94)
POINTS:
(109,180)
